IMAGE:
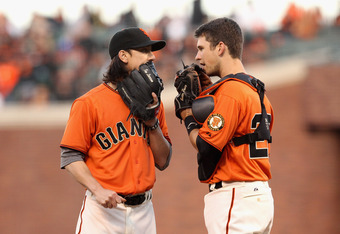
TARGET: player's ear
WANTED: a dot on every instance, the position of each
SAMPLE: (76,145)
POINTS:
(122,54)
(221,47)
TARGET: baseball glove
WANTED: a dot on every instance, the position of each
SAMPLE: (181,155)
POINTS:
(189,85)
(204,79)
(136,90)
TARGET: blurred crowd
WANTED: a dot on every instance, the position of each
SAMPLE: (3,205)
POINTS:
(56,61)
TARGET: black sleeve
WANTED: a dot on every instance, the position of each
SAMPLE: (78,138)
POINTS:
(207,158)
(69,156)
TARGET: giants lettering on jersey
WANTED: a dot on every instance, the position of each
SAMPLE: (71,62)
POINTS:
(106,139)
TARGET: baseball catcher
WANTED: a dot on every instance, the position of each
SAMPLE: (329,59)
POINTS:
(136,91)
(189,83)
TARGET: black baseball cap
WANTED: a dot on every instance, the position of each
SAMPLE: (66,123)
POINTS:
(132,38)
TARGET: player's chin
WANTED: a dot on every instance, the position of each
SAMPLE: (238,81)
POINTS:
(206,70)
(211,71)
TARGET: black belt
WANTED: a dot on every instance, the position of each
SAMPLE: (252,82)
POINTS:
(217,186)
(135,200)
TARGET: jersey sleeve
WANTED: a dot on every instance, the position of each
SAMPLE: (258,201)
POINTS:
(221,124)
(79,128)
(68,156)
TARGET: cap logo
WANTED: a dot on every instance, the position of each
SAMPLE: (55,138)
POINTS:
(144,32)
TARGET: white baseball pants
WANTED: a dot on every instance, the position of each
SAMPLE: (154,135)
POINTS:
(94,218)
(239,207)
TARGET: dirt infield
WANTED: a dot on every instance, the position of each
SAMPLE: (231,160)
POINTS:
(37,197)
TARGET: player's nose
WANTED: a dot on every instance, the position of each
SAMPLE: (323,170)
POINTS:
(151,56)
(198,56)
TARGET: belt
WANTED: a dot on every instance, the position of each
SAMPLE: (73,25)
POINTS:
(217,186)
(235,184)
(136,199)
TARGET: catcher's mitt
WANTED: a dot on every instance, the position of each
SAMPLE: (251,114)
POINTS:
(205,80)
(136,90)
(189,85)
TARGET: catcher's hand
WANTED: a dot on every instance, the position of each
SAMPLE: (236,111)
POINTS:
(204,79)
(189,85)
(136,91)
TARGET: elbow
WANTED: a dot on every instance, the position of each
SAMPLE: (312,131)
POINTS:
(166,163)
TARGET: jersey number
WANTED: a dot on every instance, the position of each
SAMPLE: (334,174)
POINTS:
(255,150)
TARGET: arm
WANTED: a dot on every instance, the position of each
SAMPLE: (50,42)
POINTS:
(194,133)
(208,156)
(106,198)
(160,147)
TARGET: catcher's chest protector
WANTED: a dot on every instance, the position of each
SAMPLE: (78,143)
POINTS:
(204,105)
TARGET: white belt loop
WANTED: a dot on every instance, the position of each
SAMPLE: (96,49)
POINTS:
(212,187)
(148,195)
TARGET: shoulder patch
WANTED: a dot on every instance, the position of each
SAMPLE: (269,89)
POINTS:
(216,122)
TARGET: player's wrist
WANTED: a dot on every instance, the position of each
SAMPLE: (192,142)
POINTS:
(185,113)
(191,124)
(153,126)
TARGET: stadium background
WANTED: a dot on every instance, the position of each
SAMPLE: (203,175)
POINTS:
(301,72)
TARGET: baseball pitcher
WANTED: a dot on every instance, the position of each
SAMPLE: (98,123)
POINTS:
(115,137)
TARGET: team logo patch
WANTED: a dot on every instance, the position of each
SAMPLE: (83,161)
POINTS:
(216,122)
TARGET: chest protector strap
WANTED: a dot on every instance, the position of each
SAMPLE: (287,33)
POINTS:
(262,132)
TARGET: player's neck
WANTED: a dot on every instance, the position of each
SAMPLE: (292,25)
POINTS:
(232,67)
(112,85)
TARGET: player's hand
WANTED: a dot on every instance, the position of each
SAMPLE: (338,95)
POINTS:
(155,106)
(108,198)
(155,102)
(151,122)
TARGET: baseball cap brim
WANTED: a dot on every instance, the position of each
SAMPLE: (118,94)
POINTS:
(132,38)
(155,45)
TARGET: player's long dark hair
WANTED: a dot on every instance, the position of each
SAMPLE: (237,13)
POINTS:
(225,30)
(116,71)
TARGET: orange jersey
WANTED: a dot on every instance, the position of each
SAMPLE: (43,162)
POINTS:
(116,148)
(237,111)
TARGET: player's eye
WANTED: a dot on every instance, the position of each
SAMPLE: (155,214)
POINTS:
(144,50)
